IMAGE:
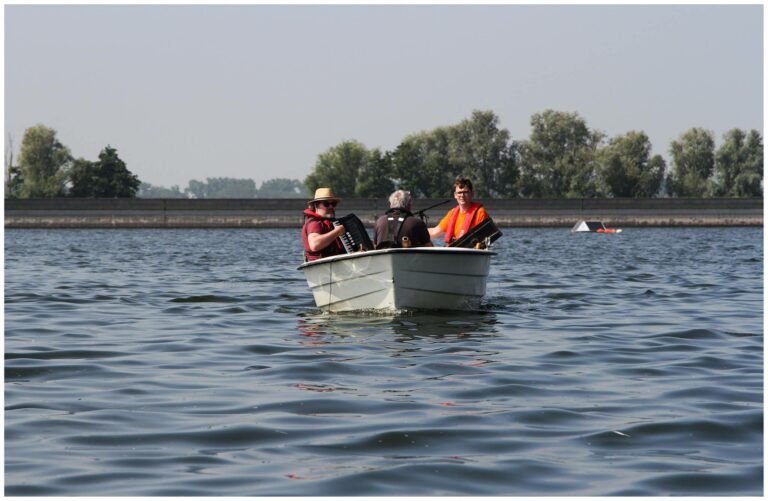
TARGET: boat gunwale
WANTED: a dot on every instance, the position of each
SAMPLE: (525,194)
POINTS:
(411,250)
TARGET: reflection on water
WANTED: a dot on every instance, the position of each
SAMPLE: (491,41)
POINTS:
(402,326)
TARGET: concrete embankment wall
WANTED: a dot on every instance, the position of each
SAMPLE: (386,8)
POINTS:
(287,213)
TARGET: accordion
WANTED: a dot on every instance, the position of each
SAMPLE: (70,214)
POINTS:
(355,238)
(479,237)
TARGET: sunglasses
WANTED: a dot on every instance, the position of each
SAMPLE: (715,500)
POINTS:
(328,204)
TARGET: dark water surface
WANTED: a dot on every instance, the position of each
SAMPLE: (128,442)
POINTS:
(193,362)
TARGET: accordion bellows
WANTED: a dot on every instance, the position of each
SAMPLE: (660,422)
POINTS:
(355,238)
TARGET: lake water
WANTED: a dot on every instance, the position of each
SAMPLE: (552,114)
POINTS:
(194,362)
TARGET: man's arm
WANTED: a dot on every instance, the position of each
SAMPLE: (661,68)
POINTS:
(438,230)
(435,232)
(318,241)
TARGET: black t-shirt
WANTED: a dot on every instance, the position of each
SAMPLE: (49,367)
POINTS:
(413,228)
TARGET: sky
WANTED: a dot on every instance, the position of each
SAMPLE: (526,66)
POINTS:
(259,91)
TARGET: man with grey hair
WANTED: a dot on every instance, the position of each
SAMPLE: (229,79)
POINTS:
(398,227)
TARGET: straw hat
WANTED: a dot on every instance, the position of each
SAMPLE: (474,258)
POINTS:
(323,194)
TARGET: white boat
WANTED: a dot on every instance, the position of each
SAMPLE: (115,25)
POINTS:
(434,278)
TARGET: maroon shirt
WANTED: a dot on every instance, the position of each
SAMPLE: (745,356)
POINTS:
(312,225)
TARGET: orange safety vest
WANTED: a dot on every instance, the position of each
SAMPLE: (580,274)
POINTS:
(467,221)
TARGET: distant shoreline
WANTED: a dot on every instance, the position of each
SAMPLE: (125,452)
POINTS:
(287,213)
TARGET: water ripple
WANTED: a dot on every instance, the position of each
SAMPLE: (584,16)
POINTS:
(194,363)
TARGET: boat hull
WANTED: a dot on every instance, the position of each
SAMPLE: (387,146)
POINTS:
(433,278)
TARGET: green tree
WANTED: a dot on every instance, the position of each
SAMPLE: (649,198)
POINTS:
(83,177)
(739,165)
(653,179)
(693,161)
(626,168)
(282,188)
(43,163)
(407,160)
(222,187)
(558,160)
(13,182)
(13,179)
(196,189)
(374,178)
(147,190)
(108,177)
(482,151)
(339,168)
(427,163)
(422,164)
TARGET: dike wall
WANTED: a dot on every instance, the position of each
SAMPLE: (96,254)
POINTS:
(287,213)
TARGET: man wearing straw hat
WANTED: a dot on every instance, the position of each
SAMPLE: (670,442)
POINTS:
(318,234)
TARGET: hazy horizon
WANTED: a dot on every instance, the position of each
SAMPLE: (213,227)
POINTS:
(258,91)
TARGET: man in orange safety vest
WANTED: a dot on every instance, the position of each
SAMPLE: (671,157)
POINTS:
(459,220)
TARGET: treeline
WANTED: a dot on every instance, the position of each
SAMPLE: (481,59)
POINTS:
(46,168)
(227,187)
(562,158)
